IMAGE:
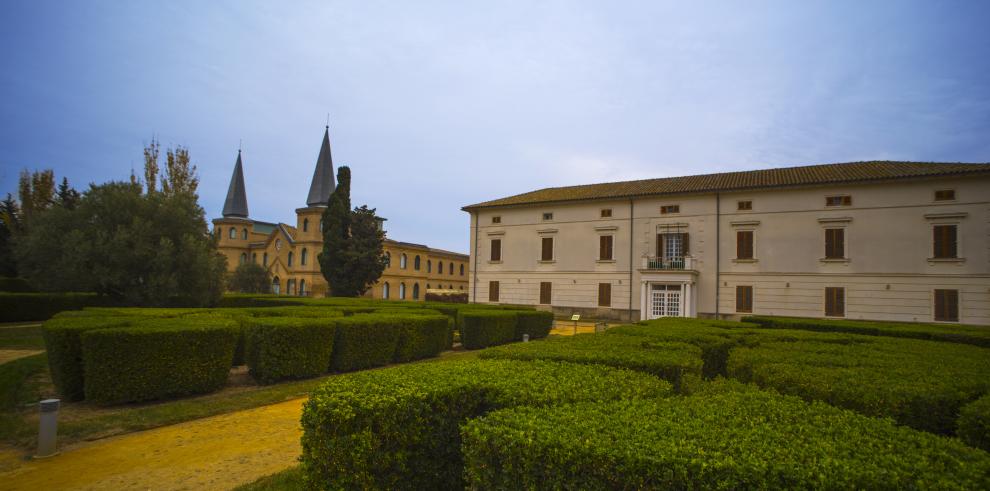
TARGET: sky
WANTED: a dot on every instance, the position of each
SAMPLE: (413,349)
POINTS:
(437,105)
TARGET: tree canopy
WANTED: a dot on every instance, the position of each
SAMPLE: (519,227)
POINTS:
(353,256)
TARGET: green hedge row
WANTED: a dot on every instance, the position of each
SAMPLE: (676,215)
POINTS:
(279,348)
(15,285)
(63,342)
(397,428)
(733,440)
(672,361)
(973,425)
(481,329)
(921,384)
(964,334)
(157,358)
(20,307)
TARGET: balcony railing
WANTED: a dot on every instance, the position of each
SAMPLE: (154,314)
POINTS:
(669,263)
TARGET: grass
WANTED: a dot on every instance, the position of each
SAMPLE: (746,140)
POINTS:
(21,336)
(290,479)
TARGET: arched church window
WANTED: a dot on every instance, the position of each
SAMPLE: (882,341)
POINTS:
(244,234)
(243,257)
(385,291)
(388,259)
(416,291)
(275,286)
(440,267)
(305,224)
(416,262)
(302,258)
(302,288)
(233,233)
(290,259)
(451,269)
(429,266)
(462,270)
(264,259)
(402,291)
(402,264)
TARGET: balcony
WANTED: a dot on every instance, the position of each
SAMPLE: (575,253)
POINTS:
(668,263)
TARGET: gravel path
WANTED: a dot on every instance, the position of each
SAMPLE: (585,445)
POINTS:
(218,452)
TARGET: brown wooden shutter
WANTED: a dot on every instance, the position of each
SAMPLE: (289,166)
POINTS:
(545,292)
(945,245)
(603,247)
(947,305)
(659,245)
(829,243)
(547,252)
(496,250)
(840,243)
(744,299)
(684,243)
(604,294)
(611,243)
(950,240)
(744,245)
(835,302)
(493,291)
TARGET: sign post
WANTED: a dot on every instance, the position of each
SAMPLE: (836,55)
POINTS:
(575,318)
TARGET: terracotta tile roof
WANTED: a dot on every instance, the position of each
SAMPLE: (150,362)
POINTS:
(729,181)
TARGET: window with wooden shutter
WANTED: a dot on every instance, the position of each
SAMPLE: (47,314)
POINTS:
(744,299)
(945,246)
(835,243)
(745,205)
(947,305)
(496,250)
(547,250)
(604,294)
(844,200)
(546,289)
(945,195)
(668,209)
(835,301)
(606,212)
(493,291)
(496,219)
(685,249)
(605,247)
(744,244)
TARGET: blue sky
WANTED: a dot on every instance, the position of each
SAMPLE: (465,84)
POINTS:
(439,105)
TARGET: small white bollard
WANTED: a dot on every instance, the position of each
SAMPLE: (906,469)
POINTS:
(525,338)
(48,429)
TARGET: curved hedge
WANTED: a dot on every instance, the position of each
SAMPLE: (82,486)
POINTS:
(397,428)
(963,334)
(364,341)
(157,358)
(536,323)
(484,328)
(280,348)
(63,343)
(421,335)
(670,361)
(973,425)
(734,440)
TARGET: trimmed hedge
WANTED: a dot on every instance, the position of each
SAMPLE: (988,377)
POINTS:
(365,341)
(918,383)
(536,323)
(397,428)
(63,343)
(15,285)
(481,329)
(157,358)
(670,361)
(280,348)
(421,336)
(973,425)
(963,334)
(20,307)
(734,440)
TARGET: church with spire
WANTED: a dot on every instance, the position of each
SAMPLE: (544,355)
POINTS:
(289,252)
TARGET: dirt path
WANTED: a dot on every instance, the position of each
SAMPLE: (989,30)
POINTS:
(13,354)
(218,452)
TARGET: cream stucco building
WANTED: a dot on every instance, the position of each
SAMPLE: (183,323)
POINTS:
(868,240)
(289,251)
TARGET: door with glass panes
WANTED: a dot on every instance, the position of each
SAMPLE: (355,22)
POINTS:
(666,301)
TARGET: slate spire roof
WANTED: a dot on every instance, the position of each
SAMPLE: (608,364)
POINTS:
(323,181)
(236,203)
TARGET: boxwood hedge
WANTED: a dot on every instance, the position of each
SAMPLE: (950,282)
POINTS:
(63,343)
(964,334)
(484,328)
(421,336)
(536,323)
(18,307)
(281,348)
(157,358)
(921,384)
(397,428)
(734,440)
(973,425)
(671,361)
(365,341)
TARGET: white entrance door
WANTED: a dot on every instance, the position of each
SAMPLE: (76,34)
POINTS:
(666,301)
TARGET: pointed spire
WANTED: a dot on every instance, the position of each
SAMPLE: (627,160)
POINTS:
(323,182)
(236,204)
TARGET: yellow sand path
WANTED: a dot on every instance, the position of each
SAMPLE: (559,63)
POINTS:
(219,452)
(13,354)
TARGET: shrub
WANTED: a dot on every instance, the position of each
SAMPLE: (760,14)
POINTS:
(364,341)
(963,334)
(15,285)
(536,323)
(421,336)
(157,358)
(481,329)
(918,383)
(670,361)
(973,426)
(19,307)
(280,348)
(734,440)
(64,346)
(236,300)
(397,428)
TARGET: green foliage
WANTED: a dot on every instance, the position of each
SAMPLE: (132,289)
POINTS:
(397,428)
(536,323)
(15,285)
(670,361)
(365,341)
(21,337)
(918,383)
(281,348)
(975,335)
(484,328)
(141,249)
(973,426)
(65,354)
(733,440)
(10,224)
(249,278)
(18,307)
(420,336)
(15,387)
(157,359)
